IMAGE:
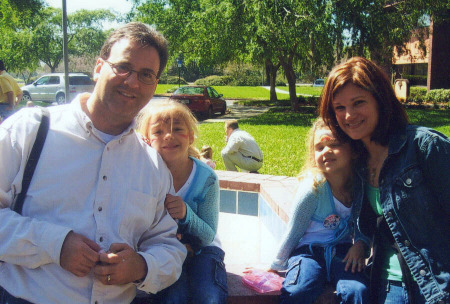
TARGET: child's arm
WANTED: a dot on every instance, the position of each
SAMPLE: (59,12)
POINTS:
(355,257)
(304,205)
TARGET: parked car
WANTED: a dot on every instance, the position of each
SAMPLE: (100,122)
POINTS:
(319,83)
(51,87)
(201,100)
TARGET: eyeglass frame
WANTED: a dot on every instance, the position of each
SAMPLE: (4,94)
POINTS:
(128,74)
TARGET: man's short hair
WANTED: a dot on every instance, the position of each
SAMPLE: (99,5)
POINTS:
(233,124)
(142,33)
(2,65)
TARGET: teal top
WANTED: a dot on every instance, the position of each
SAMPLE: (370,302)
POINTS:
(202,205)
(391,266)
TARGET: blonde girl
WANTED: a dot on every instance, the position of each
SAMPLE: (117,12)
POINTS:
(318,244)
(171,129)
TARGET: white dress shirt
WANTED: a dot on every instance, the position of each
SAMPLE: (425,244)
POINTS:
(110,193)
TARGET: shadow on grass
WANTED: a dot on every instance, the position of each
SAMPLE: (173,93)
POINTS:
(284,116)
(429,118)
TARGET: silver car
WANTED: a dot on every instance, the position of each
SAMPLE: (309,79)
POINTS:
(50,87)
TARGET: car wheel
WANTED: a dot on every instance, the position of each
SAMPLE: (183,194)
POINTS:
(60,98)
(26,97)
(223,110)
(210,112)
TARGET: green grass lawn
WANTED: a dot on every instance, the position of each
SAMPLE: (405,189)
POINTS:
(282,136)
(255,93)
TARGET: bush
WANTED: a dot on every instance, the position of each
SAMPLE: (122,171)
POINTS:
(416,79)
(214,80)
(417,95)
(165,79)
(438,96)
(310,100)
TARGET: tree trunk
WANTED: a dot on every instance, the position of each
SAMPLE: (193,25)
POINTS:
(290,76)
(273,77)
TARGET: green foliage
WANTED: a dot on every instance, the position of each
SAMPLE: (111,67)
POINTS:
(438,96)
(165,79)
(416,80)
(215,80)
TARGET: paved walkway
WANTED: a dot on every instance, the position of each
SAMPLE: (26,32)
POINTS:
(235,111)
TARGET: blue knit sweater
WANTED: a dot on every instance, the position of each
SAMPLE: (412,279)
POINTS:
(309,203)
(202,206)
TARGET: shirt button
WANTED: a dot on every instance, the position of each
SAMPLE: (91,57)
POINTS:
(423,272)
(407,243)
(105,177)
(101,239)
(100,209)
(408,181)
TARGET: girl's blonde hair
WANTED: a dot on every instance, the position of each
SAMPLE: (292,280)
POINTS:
(310,168)
(168,109)
(206,152)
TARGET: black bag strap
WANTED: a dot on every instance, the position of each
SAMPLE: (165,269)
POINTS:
(33,160)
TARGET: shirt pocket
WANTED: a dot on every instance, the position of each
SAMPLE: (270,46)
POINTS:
(413,193)
(137,216)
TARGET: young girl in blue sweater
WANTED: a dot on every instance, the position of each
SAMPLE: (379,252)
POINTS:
(318,246)
(171,129)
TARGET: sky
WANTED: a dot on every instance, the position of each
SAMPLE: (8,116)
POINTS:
(120,6)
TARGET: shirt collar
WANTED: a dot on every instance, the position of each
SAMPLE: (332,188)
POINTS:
(86,122)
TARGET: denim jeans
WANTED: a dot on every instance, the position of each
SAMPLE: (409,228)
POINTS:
(202,281)
(6,298)
(391,292)
(307,275)
(5,112)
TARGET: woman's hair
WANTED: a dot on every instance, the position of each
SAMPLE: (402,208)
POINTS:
(368,76)
(206,152)
(168,110)
(142,33)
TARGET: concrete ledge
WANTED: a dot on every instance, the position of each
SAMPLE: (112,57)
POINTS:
(279,192)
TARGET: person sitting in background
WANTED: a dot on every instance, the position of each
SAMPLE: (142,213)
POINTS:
(241,150)
(206,156)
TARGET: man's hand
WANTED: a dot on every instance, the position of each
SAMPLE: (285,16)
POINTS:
(175,206)
(355,257)
(120,265)
(79,254)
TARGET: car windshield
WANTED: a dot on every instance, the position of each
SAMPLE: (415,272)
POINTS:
(189,91)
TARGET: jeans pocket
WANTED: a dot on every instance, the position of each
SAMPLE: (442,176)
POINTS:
(220,275)
(293,272)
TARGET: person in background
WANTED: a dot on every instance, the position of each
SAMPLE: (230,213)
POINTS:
(94,227)
(10,92)
(171,129)
(318,246)
(241,150)
(406,170)
(206,154)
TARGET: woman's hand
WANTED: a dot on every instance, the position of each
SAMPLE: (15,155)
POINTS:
(175,206)
(355,257)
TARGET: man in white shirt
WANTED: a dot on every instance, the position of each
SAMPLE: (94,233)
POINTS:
(241,149)
(93,226)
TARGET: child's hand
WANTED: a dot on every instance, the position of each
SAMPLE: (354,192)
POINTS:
(175,206)
(355,257)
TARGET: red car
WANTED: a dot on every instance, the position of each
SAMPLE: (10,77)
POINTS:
(201,100)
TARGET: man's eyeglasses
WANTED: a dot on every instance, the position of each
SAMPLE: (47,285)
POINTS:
(123,70)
